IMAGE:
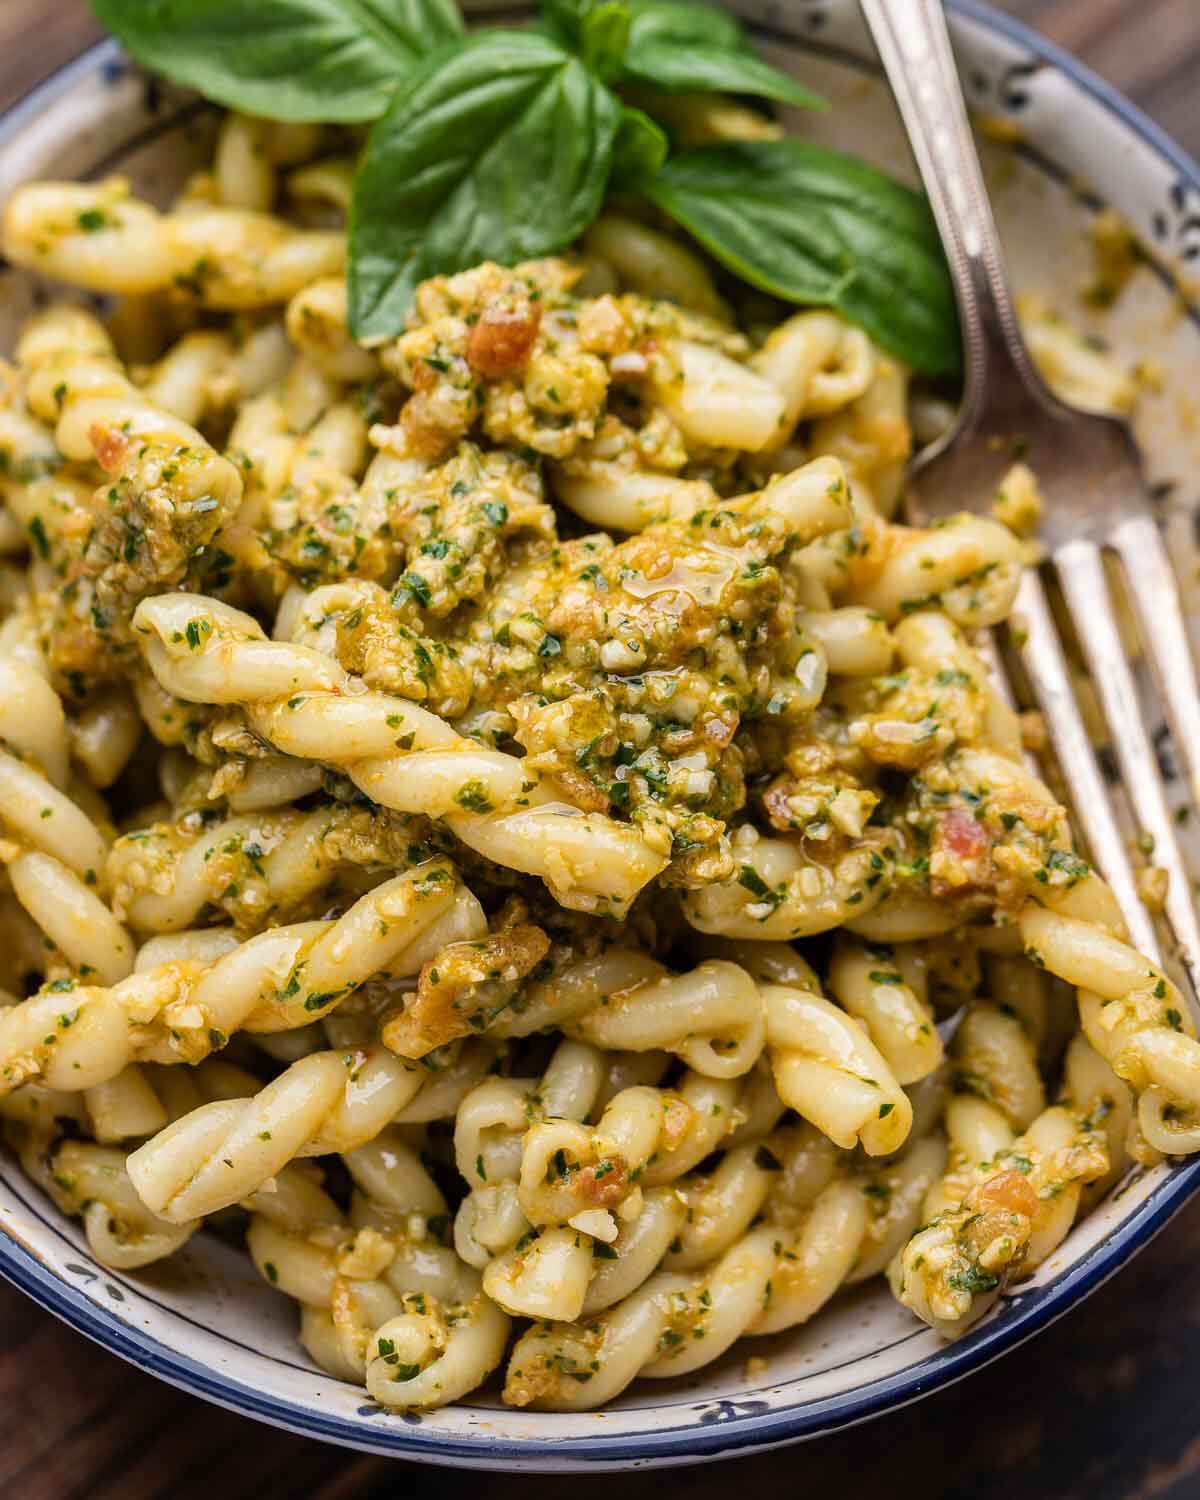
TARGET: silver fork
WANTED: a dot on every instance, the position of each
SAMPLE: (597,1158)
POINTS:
(1092,480)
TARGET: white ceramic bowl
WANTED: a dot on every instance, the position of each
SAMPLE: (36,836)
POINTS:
(204,1320)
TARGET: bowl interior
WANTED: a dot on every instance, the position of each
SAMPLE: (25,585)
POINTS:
(205,1319)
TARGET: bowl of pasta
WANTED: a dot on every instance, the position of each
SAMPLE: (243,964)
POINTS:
(532,939)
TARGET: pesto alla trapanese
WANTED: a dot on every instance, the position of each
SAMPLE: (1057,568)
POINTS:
(523,759)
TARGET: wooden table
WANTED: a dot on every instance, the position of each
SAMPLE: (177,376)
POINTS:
(1105,1404)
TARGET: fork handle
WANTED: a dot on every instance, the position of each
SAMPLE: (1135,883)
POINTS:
(914,46)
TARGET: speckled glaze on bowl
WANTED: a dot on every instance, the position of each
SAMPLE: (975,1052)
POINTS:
(205,1321)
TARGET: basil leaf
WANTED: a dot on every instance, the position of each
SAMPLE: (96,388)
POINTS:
(813,226)
(678,21)
(562,20)
(497,148)
(673,22)
(641,148)
(670,45)
(702,68)
(603,39)
(328,60)
(681,47)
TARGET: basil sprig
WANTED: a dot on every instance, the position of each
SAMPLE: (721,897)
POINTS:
(502,145)
(326,60)
(812,226)
(498,148)
(671,45)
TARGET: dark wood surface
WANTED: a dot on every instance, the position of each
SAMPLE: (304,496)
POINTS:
(1105,1404)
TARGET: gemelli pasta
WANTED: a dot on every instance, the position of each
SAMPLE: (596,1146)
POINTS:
(508,819)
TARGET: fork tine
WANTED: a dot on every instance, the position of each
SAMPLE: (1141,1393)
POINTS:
(1081,571)
(1155,595)
(987,648)
(1050,679)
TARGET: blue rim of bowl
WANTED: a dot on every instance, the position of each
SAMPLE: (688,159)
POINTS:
(1026,1314)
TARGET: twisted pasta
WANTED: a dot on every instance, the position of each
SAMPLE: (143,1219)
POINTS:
(101,238)
(1018,1173)
(828,1070)
(523,1271)
(252,866)
(381,1297)
(86,1180)
(165,496)
(566,1216)
(328,1101)
(773,1277)
(313,1105)
(78,1037)
(399,754)
(780,891)
(1019,1202)
(1132,1015)
(282,617)
(55,857)
(868,985)
(711,1017)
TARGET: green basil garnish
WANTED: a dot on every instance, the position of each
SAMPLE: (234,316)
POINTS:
(328,60)
(498,148)
(676,47)
(815,227)
(681,48)
(502,146)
